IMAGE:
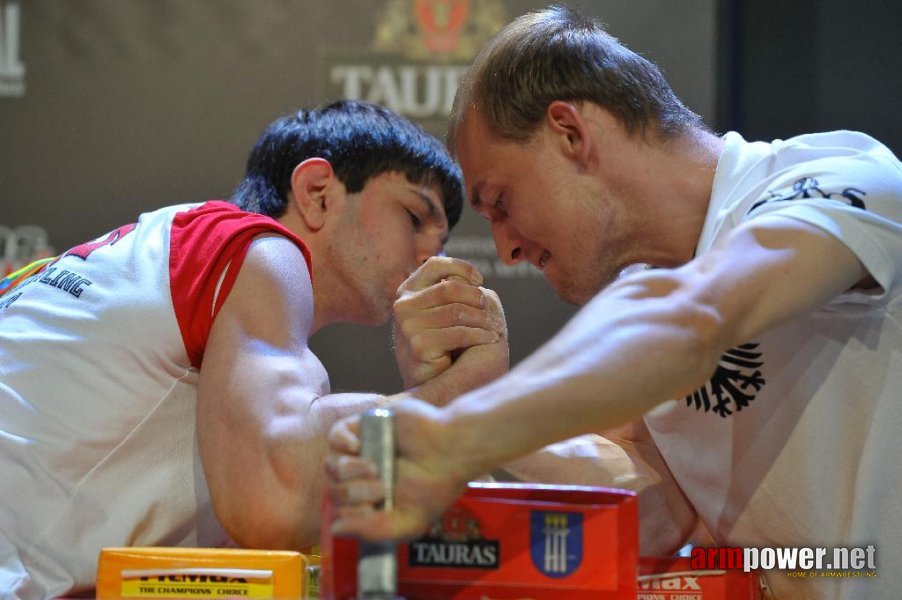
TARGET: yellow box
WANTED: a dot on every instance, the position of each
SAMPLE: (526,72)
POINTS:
(201,573)
(311,584)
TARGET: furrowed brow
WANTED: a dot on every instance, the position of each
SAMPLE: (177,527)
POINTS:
(475,199)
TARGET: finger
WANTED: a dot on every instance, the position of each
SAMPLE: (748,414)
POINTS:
(451,315)
(342,467)
(354,524)
(343,437)
(439,268)
(492,301)
(447,291)
(369,492)
(494,308)
(435,343)
(352,512)
(373,525)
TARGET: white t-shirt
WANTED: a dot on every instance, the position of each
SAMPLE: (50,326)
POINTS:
(99,359)
(797,439)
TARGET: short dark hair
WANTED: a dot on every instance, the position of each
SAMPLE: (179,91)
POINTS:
(561,54)
(360,140)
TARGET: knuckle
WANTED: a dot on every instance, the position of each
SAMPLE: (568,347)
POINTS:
(407,328)
(417,344)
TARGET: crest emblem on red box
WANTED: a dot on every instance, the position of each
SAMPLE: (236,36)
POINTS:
(556,542)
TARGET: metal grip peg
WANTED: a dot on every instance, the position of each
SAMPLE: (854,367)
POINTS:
(377,565)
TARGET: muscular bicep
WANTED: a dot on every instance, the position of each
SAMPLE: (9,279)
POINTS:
(257,377)
(770,270)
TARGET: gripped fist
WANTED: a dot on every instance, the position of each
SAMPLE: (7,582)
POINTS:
(442,313)
(427,476)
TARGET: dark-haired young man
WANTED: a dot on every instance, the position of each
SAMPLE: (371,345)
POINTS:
(757,366)
(156,386)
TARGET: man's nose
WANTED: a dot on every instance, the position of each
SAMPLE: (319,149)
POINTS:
(428,247)
(507,243)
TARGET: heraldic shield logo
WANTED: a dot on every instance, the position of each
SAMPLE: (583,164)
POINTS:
(556,542)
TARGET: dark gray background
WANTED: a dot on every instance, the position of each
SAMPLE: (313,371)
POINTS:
(134,104)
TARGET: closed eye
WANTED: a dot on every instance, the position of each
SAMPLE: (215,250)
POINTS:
(417,221)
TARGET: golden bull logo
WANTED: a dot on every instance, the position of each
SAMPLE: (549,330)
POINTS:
(556,542)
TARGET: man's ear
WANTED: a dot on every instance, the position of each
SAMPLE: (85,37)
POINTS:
(312,182)
(567,120)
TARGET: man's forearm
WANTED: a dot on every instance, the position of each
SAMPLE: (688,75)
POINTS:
(619,357)
(475,367)
(583,460)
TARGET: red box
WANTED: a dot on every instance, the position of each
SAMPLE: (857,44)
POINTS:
(510,541)
(675,579)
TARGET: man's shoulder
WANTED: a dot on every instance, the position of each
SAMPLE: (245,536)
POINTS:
(839,143)
(834,145)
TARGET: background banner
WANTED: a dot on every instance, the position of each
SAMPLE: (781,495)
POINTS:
(109,108)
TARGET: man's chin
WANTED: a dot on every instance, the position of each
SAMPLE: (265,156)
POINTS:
(372,316)
(571,292)
(378,320)
(382,315)
(562,290)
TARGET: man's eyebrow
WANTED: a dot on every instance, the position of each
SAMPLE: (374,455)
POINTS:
(431,207)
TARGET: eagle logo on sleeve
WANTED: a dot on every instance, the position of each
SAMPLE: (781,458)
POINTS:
(735,383)
(809,187)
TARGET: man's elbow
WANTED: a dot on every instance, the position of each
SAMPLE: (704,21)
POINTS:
(268,523)
(278,506)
